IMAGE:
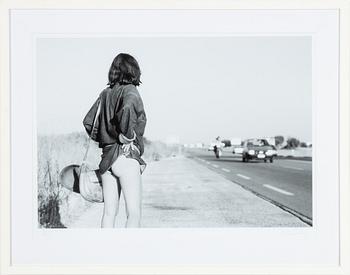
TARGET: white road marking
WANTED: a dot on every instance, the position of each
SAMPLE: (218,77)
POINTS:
(226,170)
(295,160)
(243,177)
(278,190)
(216,166)
(294,168)
(207,162)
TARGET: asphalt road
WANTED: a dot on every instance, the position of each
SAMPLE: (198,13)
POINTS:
(287,183)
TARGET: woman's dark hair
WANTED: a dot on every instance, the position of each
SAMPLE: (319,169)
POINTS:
(124,70)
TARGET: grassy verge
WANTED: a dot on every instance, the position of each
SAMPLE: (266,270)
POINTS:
(58,207)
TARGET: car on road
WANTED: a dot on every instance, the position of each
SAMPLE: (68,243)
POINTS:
(237,149)
(258,149)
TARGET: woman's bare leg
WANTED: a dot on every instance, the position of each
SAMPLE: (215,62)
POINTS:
(128,172)
(111,193)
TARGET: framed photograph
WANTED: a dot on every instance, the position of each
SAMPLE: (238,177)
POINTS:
(175,138)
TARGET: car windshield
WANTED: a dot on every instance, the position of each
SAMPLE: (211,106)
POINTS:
(257,142)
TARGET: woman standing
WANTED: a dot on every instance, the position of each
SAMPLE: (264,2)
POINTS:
(119,130)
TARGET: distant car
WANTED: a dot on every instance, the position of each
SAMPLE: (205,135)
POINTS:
(238,149)
(258,149)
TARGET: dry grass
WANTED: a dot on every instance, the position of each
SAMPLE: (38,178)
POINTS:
(58,207)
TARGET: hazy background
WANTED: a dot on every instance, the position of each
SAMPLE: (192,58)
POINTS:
(194,89)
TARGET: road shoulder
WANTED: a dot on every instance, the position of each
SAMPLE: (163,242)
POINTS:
(179,192)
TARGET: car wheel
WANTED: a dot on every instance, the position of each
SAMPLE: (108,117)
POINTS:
(271,160)
(243,159)
(265,160)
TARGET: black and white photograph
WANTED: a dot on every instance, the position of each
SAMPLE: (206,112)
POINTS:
(191,131)
(175,140)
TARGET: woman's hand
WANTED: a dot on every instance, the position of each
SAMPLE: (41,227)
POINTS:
(128,144)
(128,147)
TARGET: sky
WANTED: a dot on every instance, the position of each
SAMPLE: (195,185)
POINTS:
(193,88)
